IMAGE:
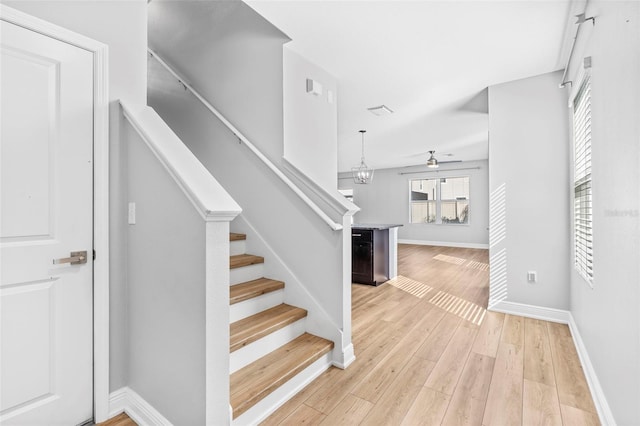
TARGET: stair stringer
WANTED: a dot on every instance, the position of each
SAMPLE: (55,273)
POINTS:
(296,294)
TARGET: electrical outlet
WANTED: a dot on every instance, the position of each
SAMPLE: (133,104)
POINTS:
(532,276)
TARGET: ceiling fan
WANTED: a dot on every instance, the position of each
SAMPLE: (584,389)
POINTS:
(432,162)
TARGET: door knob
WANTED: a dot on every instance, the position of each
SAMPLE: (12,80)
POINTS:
(76,258)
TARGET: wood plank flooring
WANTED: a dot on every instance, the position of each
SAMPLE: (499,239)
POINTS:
(428,353)
(120,420)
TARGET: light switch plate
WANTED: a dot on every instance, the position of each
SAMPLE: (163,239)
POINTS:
(132,213)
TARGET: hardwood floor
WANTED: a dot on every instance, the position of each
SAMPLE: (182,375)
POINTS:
(428,353)
(119,420)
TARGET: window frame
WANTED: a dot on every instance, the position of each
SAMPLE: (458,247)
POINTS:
(435,201)
(438,201)
(581,267)
(441,200)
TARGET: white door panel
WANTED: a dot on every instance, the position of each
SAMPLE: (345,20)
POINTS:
(46,203)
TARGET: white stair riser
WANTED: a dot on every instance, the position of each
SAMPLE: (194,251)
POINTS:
(252,306)
(237,247)
(246,273)
(273,401)
(269,343)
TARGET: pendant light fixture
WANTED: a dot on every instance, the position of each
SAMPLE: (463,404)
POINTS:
(362,174)
(432,163)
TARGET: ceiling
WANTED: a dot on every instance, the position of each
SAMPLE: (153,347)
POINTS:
(429,61)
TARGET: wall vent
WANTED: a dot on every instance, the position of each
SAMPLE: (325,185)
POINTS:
(380,110)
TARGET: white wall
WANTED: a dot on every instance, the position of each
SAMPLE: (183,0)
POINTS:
(608,315)
(386,200)
(310,121)
(529,155)
(122,25)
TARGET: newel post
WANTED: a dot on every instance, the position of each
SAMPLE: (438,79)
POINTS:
(217,320)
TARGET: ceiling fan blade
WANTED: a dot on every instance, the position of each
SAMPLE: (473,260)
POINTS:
(426,155)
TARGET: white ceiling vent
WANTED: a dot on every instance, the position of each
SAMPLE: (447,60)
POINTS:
(380,110)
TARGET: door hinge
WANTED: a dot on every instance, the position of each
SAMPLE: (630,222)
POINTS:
(94,255)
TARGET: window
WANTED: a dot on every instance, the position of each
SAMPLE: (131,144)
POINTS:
(583,240)
(440,200)
(423,200)
(454,193)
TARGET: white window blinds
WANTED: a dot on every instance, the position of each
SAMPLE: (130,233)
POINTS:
(582,181)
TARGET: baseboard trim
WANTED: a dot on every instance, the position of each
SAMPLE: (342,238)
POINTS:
(565,317)
(117,402)
(531,311)
(599,399)
(126,400)
(444,244)
(346,358)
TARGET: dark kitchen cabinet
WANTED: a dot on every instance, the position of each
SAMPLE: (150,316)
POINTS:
(369,256)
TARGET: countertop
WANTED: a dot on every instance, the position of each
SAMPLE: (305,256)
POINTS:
(374,226)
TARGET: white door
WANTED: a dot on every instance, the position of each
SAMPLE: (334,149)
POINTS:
(46,173)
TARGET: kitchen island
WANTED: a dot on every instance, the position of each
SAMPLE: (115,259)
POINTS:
(374,252)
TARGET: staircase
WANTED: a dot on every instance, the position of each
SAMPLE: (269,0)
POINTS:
(272,357)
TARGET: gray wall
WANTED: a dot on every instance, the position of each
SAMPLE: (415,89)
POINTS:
(237,65)
(529,154)
(122,25)
(386,200)
(608,315)
(232,56)
(166,291)
(310,249)
(310,121)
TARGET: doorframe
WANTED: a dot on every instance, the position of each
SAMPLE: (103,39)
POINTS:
(100,53)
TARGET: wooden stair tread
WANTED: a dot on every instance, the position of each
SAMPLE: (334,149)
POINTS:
(234,236)
(250,329)
(250,289)
(240,260)
(254,382)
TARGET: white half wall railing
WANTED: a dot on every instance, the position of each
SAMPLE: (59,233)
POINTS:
(312,205)
(207,195)
(334,200)
(173,249)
